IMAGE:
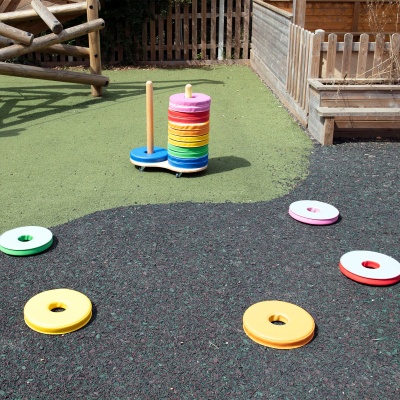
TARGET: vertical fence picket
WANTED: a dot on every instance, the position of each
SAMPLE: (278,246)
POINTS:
(238,17)
(378,55)
(296,59)
(321,33)
(144,42)
(246,29)
(186,32)
(228,44)
(153,35)
(305,93)
(331,56)
(303,75)
(362,56)
(293,60)
(203,30)
(347,52)
(289,60)
(299,68)
(160,38)
(169,34)
(177,41)
(213,30)
(314,64)
(194,29)
(394,53)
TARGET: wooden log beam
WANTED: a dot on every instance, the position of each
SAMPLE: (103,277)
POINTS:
(26,15)
(51,39)
(52,75)
(63,49)
(4,41)
(48,18)
(67,50)
(4,5)
(16,34)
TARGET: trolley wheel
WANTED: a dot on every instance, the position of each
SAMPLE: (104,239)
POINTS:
(178,174)
(141,168)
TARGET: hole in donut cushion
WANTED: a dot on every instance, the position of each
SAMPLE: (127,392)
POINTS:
(57,307)
(313,209)
(370,264)
(278,320)
(25,238)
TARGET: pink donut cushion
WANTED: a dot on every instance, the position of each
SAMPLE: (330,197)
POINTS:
(199,102)
(313,221)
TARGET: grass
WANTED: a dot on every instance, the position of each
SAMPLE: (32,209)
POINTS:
(65,154)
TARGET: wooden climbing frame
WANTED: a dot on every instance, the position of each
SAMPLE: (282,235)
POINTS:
(21,22)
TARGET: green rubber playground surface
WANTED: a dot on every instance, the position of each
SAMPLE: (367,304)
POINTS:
(65,154)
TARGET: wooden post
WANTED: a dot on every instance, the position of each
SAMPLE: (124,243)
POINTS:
(94,45)
(299,12)
(150,117)
(26,71)
(16,34)
(48,40)
(48,18)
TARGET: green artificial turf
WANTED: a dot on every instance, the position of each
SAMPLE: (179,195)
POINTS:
(65,154)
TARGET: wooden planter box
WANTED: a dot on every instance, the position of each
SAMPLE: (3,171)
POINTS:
(341,110)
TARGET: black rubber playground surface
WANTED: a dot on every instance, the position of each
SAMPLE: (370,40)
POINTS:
(170,283)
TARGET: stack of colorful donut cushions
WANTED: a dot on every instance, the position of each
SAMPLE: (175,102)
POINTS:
(188,130)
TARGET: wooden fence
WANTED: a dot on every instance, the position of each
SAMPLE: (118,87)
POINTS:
(309,56)
(363,59)
(303,62)
(200,31)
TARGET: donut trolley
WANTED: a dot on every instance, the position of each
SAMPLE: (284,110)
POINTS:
(188,134)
